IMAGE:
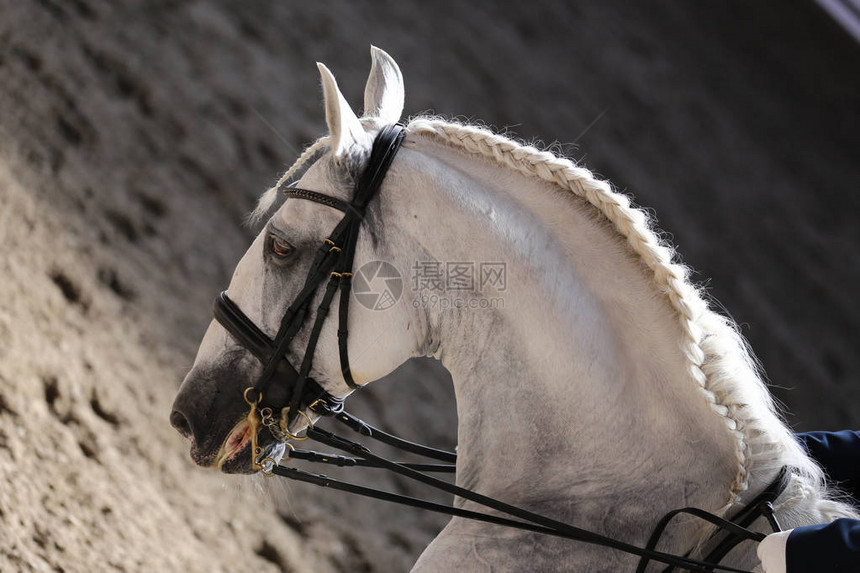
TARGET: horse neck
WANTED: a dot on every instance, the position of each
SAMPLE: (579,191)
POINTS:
(573,387)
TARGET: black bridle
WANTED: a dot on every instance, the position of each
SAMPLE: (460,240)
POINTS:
(333,265)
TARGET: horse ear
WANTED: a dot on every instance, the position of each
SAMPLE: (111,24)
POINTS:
(383,95)
(343,126)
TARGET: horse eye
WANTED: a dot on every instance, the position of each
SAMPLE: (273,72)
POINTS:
(281,248)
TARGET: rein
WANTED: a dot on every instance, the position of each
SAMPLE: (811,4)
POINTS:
(333,265)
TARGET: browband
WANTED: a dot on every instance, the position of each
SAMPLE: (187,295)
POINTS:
(333,202)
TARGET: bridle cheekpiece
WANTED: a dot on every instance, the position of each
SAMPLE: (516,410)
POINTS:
(332,265)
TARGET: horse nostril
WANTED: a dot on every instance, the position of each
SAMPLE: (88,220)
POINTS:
(180,422)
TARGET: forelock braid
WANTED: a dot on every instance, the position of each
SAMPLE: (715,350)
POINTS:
(267,199)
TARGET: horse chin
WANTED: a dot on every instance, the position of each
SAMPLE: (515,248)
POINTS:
(232,454)
(239,462)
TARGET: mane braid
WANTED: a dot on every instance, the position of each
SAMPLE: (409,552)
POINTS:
(267,199)
(709,339)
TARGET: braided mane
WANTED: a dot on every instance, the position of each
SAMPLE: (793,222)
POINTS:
(719,361)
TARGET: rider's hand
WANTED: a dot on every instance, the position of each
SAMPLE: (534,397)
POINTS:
(771,552)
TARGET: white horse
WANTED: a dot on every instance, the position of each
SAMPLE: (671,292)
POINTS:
(598,388)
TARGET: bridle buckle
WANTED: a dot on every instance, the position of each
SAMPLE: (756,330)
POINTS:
(285,422)
(334,248)
(269,464)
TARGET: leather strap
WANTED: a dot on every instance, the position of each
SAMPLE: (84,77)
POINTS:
(345,461)
(385,147)
(524,519)
(760,506)
(322,313)
(333,202)
(251,337)
(365,429)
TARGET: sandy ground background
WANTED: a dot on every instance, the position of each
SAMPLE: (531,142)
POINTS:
(135,135)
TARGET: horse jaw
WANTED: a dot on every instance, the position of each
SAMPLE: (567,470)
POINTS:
(384,94)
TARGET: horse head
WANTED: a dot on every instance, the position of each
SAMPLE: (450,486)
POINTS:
(210,409)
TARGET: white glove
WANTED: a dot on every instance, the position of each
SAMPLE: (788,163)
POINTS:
(771,552)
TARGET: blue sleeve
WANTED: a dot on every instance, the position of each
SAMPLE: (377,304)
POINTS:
(831,547)
(839,455)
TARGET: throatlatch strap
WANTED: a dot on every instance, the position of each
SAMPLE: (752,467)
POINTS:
(385,147)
